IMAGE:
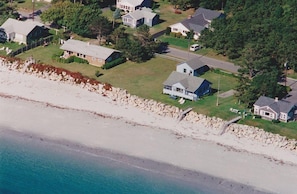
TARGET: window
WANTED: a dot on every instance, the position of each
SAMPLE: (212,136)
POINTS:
(185,70)
(267,113)
(179,90)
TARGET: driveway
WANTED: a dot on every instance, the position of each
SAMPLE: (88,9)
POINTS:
(292,96)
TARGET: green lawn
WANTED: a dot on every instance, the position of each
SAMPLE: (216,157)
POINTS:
(27,5)
(11,45)
(286,129)
(145,80)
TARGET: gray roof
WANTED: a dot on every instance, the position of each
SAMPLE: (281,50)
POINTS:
(196,23)
(20,27)
(191,83)
(87,49)
(276,105)
(141,13)
(194,63)
(207,13)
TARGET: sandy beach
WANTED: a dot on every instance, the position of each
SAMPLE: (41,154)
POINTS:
(64,112)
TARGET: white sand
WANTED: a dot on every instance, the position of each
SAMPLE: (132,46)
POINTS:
(245,164)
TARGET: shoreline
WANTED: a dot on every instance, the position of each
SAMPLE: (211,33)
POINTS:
(194,178)
(65,112)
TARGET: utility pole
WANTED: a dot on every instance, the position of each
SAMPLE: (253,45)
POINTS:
(33,10)
(218,91)
(285,65)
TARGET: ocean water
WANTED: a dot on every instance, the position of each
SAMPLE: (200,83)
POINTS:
(31,165)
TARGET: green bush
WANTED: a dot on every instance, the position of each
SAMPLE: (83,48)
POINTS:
(114,63)
(275,121)
(168,31)
(58,58)
(98,74)
(178,35)
(172,34)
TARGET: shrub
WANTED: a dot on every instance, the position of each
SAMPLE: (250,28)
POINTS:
(114,63)
(168,31)
(57,57)
(178,35)
(98,74)
(275,121)
(172,34)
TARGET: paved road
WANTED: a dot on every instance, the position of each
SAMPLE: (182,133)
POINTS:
(184,55)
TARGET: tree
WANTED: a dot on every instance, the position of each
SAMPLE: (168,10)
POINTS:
(116,15)
(117,34)
(100,27)
(213,4)
(74,16)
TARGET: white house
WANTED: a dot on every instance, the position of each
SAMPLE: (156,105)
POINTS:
(186,86)
(139,17)
(274,109)
(131,5)
(22,31)
(200,20)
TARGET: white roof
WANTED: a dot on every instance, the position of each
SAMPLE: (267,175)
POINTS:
(87,49)
(132,2)
(141,13)
(20,27)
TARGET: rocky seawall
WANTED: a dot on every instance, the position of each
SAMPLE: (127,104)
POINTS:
(122,97)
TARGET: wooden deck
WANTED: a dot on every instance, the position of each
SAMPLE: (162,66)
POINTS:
(183,114)
(224,127)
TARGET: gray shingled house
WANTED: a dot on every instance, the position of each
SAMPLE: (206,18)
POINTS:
(139,17)
(94,54)
(274,109)
(193,67)
(23,31)
(200,20)
(186,86)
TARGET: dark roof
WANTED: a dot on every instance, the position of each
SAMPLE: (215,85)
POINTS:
(276,105)
(196,23)
(191,83)
(194,63)
(207,13)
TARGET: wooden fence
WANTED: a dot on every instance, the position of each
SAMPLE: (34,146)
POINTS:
(43,41)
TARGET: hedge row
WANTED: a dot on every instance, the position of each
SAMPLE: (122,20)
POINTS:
(114,63)
(69,59)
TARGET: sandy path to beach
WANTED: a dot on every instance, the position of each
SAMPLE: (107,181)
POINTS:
(154,139)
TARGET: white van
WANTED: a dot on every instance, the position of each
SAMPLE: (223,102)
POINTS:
(194,47)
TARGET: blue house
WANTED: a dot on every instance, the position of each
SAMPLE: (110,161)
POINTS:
(186,86)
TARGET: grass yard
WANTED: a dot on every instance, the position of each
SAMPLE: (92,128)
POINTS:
(146,79)
(26,5)
(180,43)
(285,129)
(11,45)
(166,13)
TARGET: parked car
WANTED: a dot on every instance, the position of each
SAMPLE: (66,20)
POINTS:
(194,47)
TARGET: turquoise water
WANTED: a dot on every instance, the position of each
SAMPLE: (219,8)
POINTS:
(29,165)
